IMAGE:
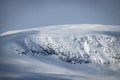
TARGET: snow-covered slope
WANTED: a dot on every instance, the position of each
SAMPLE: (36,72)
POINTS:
(87,46)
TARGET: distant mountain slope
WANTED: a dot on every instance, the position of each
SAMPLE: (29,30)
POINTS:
(67,52)
(70,43)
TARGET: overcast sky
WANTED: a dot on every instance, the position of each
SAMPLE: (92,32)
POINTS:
(21,14)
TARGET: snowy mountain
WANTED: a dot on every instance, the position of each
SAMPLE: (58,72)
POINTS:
(85,45)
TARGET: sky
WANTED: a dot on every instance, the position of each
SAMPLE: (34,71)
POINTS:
(23,14)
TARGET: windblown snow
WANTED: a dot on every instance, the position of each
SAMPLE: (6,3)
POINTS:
(82,45)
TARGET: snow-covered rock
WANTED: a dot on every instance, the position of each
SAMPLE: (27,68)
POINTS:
(74,44)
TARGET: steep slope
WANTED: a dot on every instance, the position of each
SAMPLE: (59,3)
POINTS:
(98,47)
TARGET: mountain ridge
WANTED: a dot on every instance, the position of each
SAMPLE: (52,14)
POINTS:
(77,45)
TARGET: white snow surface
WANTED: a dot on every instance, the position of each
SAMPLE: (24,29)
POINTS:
(72,52)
